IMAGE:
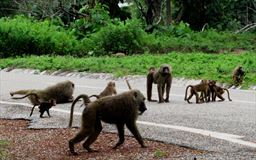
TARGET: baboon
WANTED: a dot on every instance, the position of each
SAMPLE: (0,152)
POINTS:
(44,106)
(86,100)
(119,54)
(121,109)
(238,75)
(163,79)
(194,89)
(108,91)
(62,92)
(217,91)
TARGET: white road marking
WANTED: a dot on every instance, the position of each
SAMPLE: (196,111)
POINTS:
(224,136)
(155,93)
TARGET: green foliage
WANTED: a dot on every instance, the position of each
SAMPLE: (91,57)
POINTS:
(3,146)
(97,17)
(188,65)
(126,38)
(209,41)
(160,154)
(20,36)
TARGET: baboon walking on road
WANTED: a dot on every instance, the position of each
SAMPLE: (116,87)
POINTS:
(121,109)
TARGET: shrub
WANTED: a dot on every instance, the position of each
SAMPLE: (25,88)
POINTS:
(126,38)
(22,36)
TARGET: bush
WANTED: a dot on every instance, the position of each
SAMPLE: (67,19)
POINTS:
(22,36)
(126,38)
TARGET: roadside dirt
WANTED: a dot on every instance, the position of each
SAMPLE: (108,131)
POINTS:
(51,144)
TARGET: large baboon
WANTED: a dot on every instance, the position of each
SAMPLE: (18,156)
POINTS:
(62,92)
(163,79)
(238,76)
(121,109)
(217,91)
(194,89)
(108,91)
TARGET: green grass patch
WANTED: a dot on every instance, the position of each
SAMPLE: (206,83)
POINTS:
(188,65)
(3,146)
(160,154)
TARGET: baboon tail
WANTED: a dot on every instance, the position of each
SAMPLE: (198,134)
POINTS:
(32,110)
(128,84)
(21,92)
(84,96)
(185,98)
(30,94)
(94,95)
(228,94)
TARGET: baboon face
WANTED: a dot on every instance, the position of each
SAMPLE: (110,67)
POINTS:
(211,83)
(113,84)
(140,99)
(164,70)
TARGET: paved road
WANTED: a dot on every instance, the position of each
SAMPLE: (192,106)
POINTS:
(228,129)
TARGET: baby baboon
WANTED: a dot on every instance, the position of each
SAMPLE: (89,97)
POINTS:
(108,91)
(86,100)
(62,92)
(201,87)
(121,109)
(217,91)
(163,79)
(238,76)
(44,106)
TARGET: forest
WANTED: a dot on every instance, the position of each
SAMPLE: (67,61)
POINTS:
(140,29)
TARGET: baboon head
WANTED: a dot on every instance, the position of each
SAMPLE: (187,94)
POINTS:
(140,99)
(113,84)
(164,69)
(211,83)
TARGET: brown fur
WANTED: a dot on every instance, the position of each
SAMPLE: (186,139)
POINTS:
(163,79)
(238,76)
(121,109)
(108,91)
(217,91)
(62,92)
(194,89)
(44,106)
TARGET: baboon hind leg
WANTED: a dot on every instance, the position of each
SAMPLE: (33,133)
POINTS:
(81,135)
(120,128)
(149,87)
(93,136)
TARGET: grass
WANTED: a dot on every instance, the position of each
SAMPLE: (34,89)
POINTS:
(188,65)
(3,146)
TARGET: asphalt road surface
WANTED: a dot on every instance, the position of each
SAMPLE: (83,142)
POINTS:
(226,129)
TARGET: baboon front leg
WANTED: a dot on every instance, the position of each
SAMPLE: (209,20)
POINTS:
(160,93)
(120,128)
(81,135)
(92,137)
(41,113)
(168,88)
(133,128)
